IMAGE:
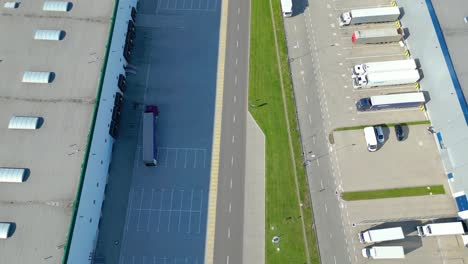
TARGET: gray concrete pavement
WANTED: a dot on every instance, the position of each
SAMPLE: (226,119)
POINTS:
(230,205)
(254,199)
(306,81)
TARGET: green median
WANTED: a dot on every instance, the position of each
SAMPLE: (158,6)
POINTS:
(393,193)
(266,106)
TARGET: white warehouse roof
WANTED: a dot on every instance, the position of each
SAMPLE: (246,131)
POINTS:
(36,77)
(4,230)
(23,122)
(57,6)
(12,175)
(44,34)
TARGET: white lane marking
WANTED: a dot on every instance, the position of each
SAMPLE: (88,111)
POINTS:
(295,27)
(334,257)
(375,56)
(232,139)
(237,27)
(238,10)
(235,79)
(227,260)
(235,99)
(310,119)
(300,61)
(236,61)
(237,43)
(234,119)
(139,213)
(230,184)
(331,235)
(229,207)
(229,232)
(232,161)
(321,184)
(307,99)
(326,209)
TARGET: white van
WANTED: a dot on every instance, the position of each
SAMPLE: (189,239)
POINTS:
(371,138)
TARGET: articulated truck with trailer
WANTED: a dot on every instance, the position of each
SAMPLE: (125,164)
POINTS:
(149,135)
(441,229)
(369,15)
(395,252)
(388,101)
(386,78)
(383,66)
(375,36)
(380,235)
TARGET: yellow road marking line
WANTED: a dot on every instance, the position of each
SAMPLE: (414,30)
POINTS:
(213,192)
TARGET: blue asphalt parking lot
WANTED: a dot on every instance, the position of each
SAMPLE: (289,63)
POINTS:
(165,207)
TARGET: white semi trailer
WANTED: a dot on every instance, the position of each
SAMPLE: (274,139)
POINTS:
(441,229)
(383,66)
(369,15)
(375,36)
(396,252)
(380,235)
(386,78)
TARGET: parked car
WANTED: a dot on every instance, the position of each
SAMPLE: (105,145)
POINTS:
(400,134)
(379,134)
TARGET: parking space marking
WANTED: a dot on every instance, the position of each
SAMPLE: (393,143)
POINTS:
(374,56)
(187,5)
(173,157)
(173,208)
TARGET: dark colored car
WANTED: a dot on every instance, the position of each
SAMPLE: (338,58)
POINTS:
(400,134)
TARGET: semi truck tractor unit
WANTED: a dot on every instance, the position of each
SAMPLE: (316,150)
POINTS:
(389,101)
(380,235)
(396,252)
(441,229)
(369,15)
(375,36)
(386,78)
(383,66)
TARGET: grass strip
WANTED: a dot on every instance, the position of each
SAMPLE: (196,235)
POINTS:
(414,123)
(393,193)
(266,106)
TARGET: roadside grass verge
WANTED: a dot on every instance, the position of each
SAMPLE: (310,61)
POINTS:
(266,106)
(393,193)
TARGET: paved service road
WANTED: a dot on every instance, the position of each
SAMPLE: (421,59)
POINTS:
(308,85)
(230,205)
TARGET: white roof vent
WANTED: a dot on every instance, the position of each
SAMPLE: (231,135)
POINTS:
(44,34)
(4,230)
(24,122)
(57,6)
(12,175)
(37,77)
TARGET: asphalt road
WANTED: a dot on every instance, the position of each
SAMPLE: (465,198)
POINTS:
(305,68)
(230,204)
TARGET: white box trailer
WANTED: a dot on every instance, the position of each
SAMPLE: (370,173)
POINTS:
(386,78)
(380,235)
(441,229)
(286,6)
(396,252)
(384,66)
(375,36)
(388,101)
(369,15)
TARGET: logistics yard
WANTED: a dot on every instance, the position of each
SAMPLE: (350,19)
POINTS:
(322,56)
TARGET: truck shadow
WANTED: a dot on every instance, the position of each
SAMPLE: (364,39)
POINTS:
(411,242)
(299,6)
